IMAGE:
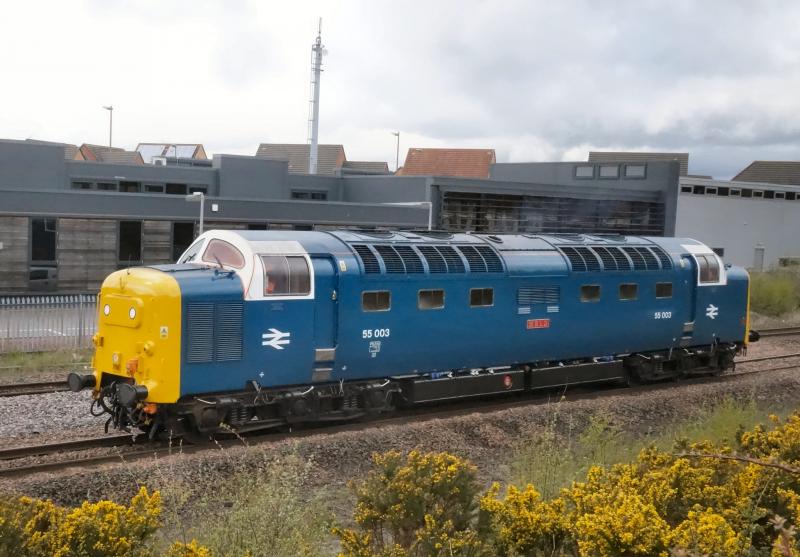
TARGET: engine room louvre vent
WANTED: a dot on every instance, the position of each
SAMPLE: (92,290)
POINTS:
(476,262)
(666,262)
(636,257)
(590,257)
(493,263)
(410,258)
(575,260)
(454,262)
(623,263)
(650,260)
(609,263)
(391,259)
(368,259)
(436,263)
(529,295)
(213,332)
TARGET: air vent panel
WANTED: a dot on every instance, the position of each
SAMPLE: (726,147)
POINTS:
(368,259)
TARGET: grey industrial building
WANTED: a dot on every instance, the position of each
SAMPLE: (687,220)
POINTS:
(65,223)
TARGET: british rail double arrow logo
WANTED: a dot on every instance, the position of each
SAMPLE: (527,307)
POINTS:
(276,339)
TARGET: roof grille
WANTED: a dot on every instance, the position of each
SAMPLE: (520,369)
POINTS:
(391,259)
(410,258)
(368,259)
(493,262)
(637,259)
(454,262)
(666,262)
(436,263)
(609,263)
(649,259)
(529,295)
(476,262)
(623,263)
(575,260)
(590,257)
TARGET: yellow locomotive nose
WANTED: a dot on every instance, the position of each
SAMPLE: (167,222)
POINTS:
(139,335)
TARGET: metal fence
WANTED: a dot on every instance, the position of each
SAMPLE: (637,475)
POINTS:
(47,322)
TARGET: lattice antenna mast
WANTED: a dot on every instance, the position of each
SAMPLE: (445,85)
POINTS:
(317,51)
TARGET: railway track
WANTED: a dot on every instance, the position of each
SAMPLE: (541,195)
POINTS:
(130,448)
(43,387)
(780,332)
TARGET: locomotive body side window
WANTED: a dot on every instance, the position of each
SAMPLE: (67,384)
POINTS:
(663,290)
(709,268)
(223,253)
(299,276)
(481,297)
(628,291)
(286,275)
(377,300)
(590,293)
(430,299)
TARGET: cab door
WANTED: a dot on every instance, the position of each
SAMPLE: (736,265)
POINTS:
(326,307)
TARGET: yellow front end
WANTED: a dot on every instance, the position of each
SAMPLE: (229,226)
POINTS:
(139,332)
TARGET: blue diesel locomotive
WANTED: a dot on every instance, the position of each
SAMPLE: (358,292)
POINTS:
(258,329)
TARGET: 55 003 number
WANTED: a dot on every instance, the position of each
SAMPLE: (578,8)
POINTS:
(375,333)
(663,315)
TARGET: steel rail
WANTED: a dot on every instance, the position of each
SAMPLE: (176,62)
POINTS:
(43,387)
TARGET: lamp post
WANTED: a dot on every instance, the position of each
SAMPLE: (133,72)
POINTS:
(199,196)
(110,109)
(397,154)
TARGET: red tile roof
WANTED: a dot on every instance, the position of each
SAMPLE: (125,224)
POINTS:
(468,163)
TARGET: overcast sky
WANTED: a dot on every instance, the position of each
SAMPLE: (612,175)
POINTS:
(537,81)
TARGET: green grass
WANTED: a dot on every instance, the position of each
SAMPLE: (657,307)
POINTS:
(774,292)
(553,459)
(25,365)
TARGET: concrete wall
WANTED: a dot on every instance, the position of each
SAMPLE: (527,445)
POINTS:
(740,225)
(251,177)
(26,166)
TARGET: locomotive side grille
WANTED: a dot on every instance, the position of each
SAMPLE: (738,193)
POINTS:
(436,263)
(391,259)
(476,262)
(589,256)
(575,260)
(454,262)
(650,260)
(609,263)
(493,262)
(637,259)
(368,259)
(623,263)
(199,333)
(410,258)
(529,295)
(228,332)
(666,262)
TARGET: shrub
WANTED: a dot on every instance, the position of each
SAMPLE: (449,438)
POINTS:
(774,292)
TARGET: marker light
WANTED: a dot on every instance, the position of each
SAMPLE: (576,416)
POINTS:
(132,313)
(106,309)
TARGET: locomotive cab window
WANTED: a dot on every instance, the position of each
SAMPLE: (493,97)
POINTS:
(663,290)
(481,297)
(377,300)
(430,299)
(628,291)
(708,267)
(590,293)
(286,275)
(223,254)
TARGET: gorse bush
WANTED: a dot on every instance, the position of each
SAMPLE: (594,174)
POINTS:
(703,498)
(774,292)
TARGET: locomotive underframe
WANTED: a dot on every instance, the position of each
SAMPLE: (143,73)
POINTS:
(256,408)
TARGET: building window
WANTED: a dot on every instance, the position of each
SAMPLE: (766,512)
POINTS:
(43,240)
(686,189)
(81,185)
(129,249)
(699,190)
(663,290)
(481,297)
(758,193)
(735,192)
(310,195)
(791,196)
(176,189)
(780,195)
(711,191)
(590,293)
(769,194)
(709,268)
(380,300)
(635,170)
(628,291)
(154,188)
(130,187)
(609,171)
(719,251)
(223,254)
(430,299)
(286,276)
(257,226)
(746,192)
(182,237)
(584,171)
(106,186)
(723,191)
